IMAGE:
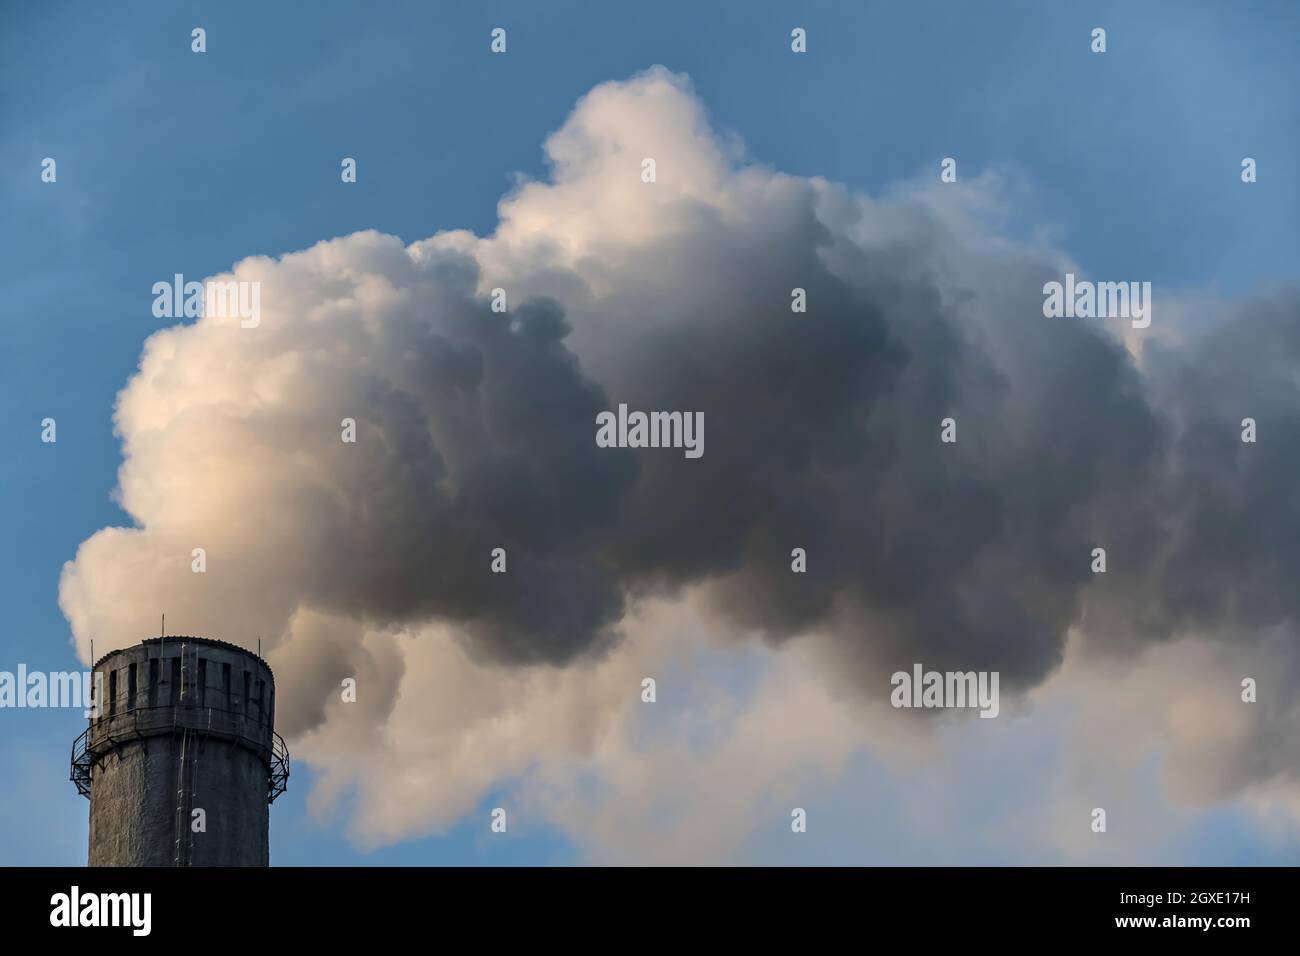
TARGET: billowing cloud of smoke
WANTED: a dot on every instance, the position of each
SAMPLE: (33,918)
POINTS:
(475,430)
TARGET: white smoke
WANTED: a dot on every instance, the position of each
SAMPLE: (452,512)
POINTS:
(475,431)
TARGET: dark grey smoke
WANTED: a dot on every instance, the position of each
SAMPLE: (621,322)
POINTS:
(822,432)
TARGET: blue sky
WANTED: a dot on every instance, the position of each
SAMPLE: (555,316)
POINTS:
(171,162)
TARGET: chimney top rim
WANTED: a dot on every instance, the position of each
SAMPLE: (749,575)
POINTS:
(190,639)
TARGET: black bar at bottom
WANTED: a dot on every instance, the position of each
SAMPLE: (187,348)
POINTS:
(550,907)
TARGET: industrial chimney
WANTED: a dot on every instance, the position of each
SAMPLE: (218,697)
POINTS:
(181,760)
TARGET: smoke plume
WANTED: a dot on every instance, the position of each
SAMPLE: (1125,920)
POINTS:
(475,431)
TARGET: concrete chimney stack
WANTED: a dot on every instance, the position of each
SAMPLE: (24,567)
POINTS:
(181,760)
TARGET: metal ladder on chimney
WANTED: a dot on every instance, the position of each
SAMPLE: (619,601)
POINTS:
(186,773)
